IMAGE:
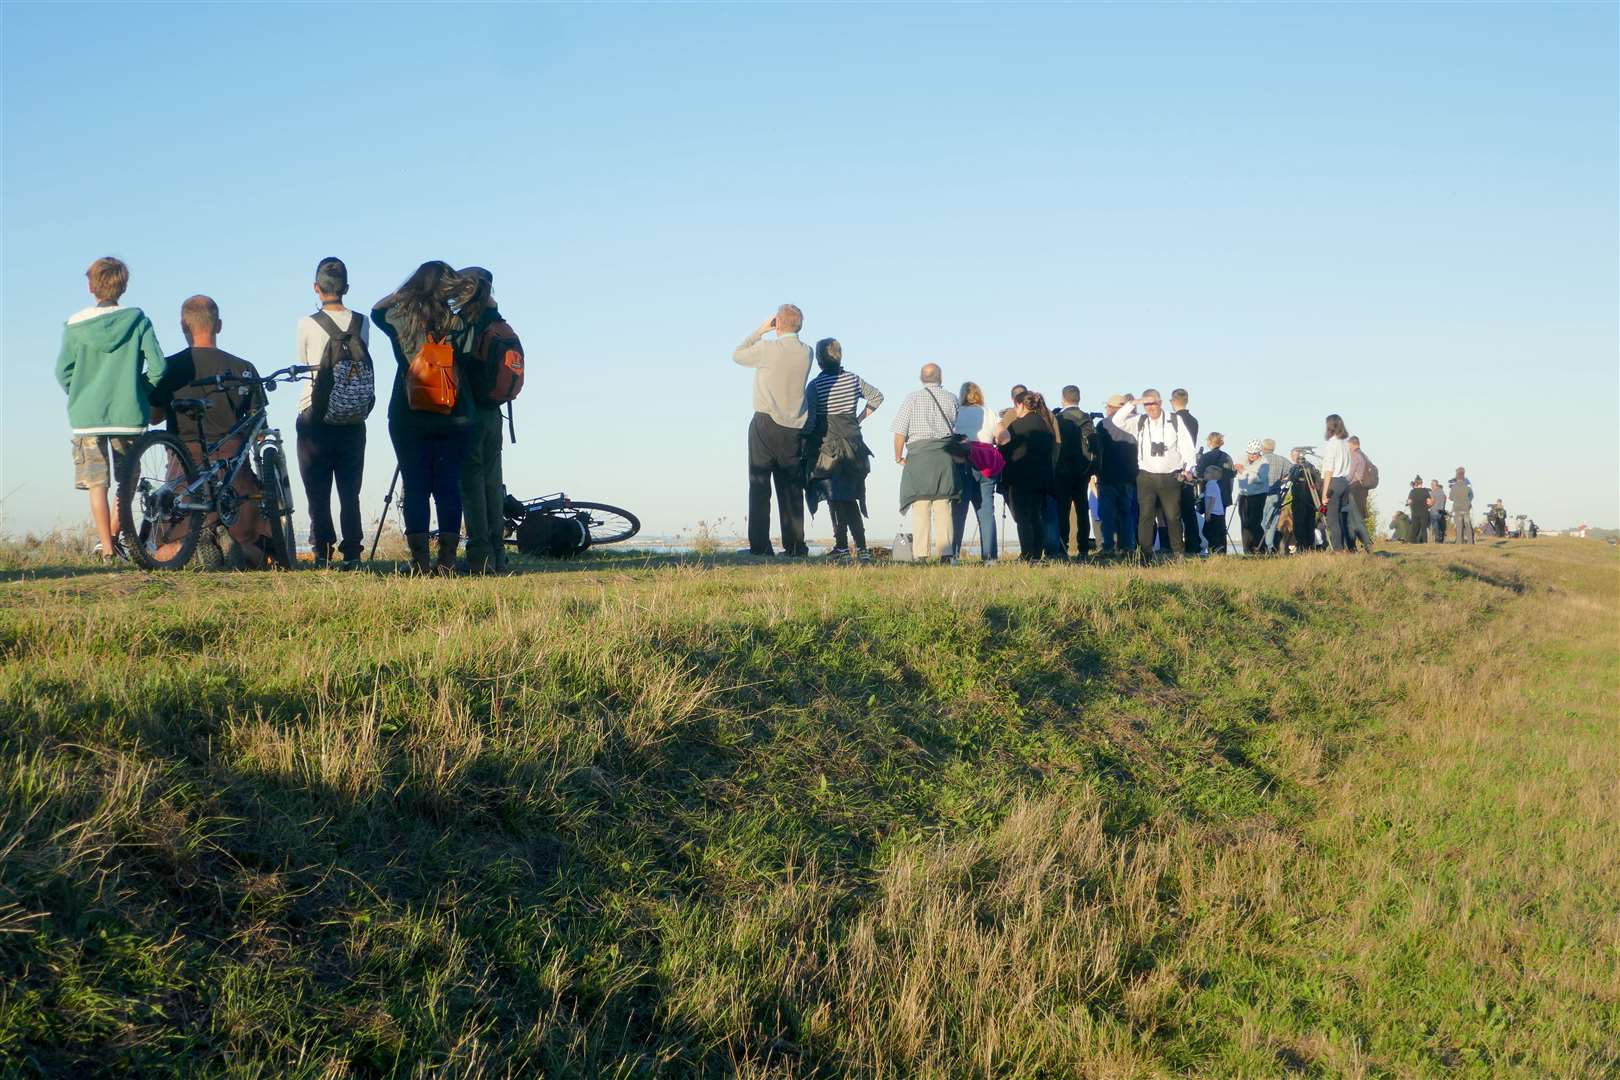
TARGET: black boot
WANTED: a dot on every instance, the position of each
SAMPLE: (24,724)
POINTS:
(448,543)
(421,553)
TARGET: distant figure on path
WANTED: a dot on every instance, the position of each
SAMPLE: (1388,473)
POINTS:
(1417,508)
(775,435)
(842,461)
(1462,508)
(928,479)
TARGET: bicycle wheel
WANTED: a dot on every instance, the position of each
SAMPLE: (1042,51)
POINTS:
(159,534)
(607,524)
(276,505)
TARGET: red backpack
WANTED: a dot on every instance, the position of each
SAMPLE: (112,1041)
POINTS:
(499,355)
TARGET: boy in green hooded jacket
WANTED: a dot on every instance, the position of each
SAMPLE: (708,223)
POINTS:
(108,364)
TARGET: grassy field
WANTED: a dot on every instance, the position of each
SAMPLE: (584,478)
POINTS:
(1316,817)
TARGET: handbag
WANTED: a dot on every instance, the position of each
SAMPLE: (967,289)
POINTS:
(955,445)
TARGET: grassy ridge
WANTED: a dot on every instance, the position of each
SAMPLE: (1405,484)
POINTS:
(801,821)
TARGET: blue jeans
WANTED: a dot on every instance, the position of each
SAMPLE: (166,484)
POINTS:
(1116,513)
(1054,540)
(981,492)
(1269,517)
(430,466)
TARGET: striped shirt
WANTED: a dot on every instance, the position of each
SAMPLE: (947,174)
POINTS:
(928,413)
(835,392)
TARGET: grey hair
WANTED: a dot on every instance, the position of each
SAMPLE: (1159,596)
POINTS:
(931,375)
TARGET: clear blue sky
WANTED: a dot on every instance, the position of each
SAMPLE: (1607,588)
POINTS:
(1406,214)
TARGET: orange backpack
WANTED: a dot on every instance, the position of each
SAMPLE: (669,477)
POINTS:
(431,381)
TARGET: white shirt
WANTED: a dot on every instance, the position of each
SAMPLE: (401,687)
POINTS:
(312,346)
(977,423)
(1179,449)
(1336,458)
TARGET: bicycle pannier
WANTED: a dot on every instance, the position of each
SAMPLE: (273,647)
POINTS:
(345,384)
(431,382)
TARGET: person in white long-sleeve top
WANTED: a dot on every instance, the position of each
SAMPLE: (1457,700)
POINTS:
(1336,464)
(1165,451)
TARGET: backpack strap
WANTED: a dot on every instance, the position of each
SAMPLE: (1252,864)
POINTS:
(326,322)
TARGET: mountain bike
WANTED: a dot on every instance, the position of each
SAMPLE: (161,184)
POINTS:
(560,527)
(164,493)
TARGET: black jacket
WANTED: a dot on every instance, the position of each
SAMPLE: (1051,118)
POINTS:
(1116,459)
(1031,455)
(1077,448)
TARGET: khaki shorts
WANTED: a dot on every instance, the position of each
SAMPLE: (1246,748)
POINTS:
(91,464)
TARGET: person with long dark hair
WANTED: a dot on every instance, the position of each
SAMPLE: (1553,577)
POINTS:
(429,442)
(840,460)
(1030,445)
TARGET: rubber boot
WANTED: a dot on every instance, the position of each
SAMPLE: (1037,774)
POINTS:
(447,554)
(421,553)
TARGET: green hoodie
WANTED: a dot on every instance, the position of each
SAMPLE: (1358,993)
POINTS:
(103,351)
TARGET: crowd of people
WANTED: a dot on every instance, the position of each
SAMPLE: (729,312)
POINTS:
(1131,481)
(457,363)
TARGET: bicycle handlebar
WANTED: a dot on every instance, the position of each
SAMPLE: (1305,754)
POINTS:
(290,373)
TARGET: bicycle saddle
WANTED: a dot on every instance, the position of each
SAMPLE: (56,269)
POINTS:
(191,405)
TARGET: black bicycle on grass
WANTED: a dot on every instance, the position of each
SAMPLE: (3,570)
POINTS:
(558,527)
(165,494)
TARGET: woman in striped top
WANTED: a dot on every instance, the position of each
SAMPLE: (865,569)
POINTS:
(840,457)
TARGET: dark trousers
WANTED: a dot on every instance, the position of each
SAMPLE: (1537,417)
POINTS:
(1158,493)
(1116,513)
(430,466)
(1338,504)
(332,454)
(1189,519)
(1215,533)
(774,455)
(481,492)
(1071,496)
(846,519)
(1420,528)
(1029,513)
(1252,513)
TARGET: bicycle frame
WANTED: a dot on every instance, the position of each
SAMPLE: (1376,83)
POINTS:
(253,429)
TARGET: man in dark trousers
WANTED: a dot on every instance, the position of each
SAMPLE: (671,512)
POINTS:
(1190,500)
(1165,452)
(781,369)
(1076,465)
